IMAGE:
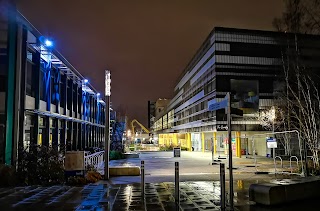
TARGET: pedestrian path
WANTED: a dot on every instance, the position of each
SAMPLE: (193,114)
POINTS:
(196,195)
(158,196)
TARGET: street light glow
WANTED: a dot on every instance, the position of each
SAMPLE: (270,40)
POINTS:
(48,43)
(85,81)
(98,94)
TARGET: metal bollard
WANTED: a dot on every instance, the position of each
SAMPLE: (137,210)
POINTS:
(222,187)
(142,179)
(176,185)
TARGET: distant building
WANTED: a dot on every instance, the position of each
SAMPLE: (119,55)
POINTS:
(151,113)
(244,62)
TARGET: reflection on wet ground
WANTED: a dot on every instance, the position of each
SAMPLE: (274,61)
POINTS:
(158,196)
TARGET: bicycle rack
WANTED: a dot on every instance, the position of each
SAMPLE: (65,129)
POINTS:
(275,163)
(295,157)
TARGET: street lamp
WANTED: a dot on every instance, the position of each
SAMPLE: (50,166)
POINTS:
(107,124)
(272,118)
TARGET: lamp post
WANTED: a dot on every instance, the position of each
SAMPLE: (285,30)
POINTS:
(273,117)
(107,124)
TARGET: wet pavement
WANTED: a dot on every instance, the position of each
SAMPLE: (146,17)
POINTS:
(158,197)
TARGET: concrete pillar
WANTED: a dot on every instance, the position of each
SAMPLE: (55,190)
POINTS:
(175,139)
(189,144)
(214,143)
(202,142)
(238,144)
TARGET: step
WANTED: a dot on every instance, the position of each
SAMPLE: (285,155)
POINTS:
(124,171)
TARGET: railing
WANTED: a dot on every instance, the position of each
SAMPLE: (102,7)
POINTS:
(275,164)
(297,161)
(95,159)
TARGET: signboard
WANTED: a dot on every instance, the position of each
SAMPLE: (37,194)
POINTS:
(213,105)
(271,143)
(222,127)
(74,161)
(176,152)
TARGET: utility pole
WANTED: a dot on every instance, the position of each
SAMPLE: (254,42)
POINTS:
(107,124)
(230,152)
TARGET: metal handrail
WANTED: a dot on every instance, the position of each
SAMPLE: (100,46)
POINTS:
(94,159)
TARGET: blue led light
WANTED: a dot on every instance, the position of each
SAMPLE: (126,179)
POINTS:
(48,43)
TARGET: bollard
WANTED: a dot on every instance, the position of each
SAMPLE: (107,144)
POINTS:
(142,179)
(176,186)
(222,187)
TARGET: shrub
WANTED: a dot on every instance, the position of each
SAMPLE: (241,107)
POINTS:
(7,175)
(167,148)
(40,165)
(116,155)
(184,148)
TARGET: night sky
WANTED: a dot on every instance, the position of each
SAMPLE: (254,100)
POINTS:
(145,44)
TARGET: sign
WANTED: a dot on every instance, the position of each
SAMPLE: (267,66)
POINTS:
(271,143)
(107,83)
(74,161)
(176,152)
(213,105)
(222,127)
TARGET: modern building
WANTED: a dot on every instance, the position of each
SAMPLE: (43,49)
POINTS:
(44,100)
(151,113)
(247,63)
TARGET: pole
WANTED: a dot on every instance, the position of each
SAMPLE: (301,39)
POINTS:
(212,151)
(176,185)
(107,125)
(222,187)
(305,152)
(142,179)
(230,152)
(273,149)
(107,138)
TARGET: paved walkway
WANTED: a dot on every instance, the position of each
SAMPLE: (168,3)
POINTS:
(158,197)
(194,166)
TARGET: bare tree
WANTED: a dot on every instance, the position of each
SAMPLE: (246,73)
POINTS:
(300,97)
(300,16)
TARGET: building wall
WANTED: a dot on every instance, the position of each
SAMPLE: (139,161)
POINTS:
(51,103)
(246,63)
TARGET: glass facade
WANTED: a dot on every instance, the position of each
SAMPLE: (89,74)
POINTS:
(243,62)
(55,108)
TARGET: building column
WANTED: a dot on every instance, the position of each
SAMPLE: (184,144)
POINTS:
(202,142)
(238,144)
(10,97)
(189,144)
(175,139)
(214,143)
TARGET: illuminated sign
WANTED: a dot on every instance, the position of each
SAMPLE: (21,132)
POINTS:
(107,83)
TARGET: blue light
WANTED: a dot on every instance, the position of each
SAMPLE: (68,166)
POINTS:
(98,94)
(48,43)
(86,81)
